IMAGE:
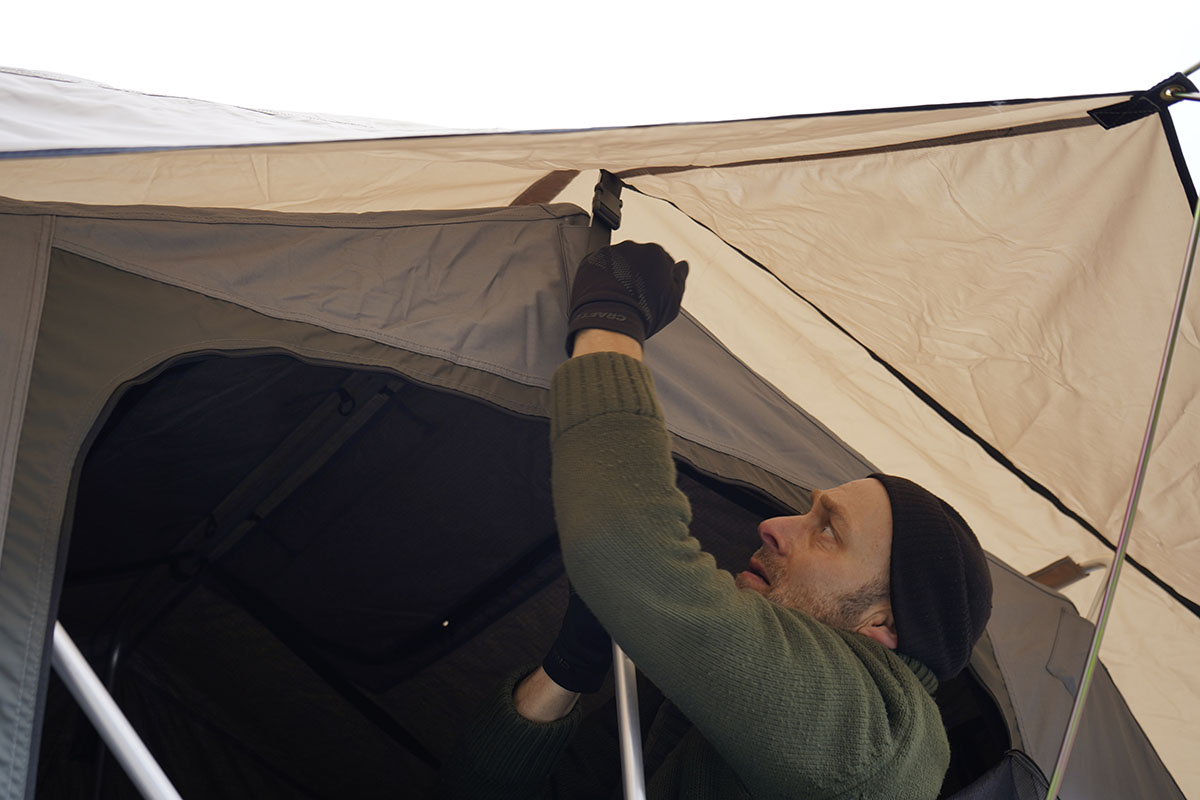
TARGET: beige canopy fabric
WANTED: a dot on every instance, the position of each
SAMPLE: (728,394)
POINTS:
(1017,262)
(954,267)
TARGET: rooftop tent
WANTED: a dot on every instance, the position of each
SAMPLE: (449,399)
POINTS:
(230,298)
(300,556)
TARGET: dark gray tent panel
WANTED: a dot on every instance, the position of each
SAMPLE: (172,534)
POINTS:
(382,481)
(1038,643)
(300,552)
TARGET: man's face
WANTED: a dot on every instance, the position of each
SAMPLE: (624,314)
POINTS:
(831,562)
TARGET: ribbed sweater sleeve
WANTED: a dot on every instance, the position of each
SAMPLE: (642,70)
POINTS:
(504,756)
(796,708)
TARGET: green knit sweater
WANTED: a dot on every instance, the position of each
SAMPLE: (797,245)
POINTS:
(782,705)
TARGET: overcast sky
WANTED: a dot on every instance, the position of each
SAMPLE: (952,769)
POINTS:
(609,62)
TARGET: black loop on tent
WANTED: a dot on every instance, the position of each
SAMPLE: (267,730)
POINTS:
(1143,104)
(348,404)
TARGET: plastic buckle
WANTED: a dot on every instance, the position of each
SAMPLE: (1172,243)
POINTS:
(606,203)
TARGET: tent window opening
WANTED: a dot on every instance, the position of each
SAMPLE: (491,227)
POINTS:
(299,580)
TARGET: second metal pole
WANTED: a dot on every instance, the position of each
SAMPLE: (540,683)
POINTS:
(633,778)
(1135,492)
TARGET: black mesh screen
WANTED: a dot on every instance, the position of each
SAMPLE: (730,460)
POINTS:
(300,580)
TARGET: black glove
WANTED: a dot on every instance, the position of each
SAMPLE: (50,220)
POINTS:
(581,655)
(629,288)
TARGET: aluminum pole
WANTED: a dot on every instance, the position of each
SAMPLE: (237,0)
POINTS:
(1135,492)
(606,218)
(112,725)
(633,778)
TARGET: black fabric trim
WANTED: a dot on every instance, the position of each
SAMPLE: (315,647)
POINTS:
(953,420)
(1185,177)
(1142,104)
(919,144)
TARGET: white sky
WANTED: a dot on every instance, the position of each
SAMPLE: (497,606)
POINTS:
(544,64)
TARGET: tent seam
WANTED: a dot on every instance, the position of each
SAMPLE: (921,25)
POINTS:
(544,212)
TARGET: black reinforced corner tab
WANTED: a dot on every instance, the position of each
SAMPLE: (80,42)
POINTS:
(606,210)
(1142,104)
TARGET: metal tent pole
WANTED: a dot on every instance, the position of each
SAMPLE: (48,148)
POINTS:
(606,218)
(1114,571)
(633,778)
(112,725)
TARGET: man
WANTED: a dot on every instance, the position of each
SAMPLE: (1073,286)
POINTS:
(809,675)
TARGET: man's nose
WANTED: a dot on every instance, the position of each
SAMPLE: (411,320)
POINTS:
(777,533)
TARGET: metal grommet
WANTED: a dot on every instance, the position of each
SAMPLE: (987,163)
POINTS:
(1168,92)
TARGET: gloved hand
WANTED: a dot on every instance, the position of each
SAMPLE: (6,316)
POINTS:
(630,288)
(581,655)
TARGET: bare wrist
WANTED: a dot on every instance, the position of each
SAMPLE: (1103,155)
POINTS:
(539,699)
(598,340)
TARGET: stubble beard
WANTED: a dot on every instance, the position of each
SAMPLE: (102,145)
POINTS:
(844,611)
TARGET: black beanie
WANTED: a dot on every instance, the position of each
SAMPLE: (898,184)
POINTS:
(941,588)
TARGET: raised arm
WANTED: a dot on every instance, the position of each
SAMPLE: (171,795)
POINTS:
(788,702)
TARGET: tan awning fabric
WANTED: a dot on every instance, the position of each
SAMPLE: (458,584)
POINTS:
(1042,330)
(474,171)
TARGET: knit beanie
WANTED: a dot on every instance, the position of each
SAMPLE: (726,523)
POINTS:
(941,588)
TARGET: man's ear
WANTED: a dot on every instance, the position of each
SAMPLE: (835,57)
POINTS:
(880,626)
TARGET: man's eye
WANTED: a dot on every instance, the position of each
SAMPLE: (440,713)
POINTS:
(828,531)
